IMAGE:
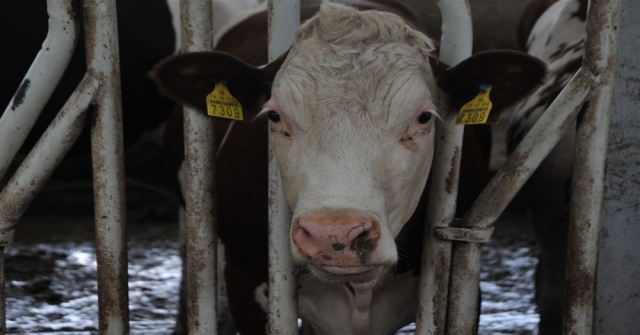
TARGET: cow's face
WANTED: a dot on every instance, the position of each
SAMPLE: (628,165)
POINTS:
(352,112)
(353,132)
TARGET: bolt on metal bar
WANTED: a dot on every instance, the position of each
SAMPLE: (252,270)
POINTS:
(107,152)
(284,17)
(40,81)
(200,152)
(587,186)
(456,45)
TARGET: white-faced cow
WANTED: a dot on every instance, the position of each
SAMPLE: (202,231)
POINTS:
(558,39)
(352,109)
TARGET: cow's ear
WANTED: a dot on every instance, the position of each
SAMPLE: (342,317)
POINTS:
(189,78)
(513,75)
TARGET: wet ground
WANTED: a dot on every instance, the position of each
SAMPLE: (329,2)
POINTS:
(51,270)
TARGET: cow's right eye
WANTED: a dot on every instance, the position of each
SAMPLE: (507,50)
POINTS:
(273,116)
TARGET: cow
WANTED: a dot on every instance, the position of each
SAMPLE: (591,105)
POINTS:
(557,38)
(352,109)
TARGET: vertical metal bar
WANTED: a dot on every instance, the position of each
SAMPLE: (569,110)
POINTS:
(108,166)
(456,45)
(40,81)
(3,305)
(200,152)
(588,177)
(284,17)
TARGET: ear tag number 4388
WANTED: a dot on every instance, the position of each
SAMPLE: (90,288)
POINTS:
(477,110)
(220,103)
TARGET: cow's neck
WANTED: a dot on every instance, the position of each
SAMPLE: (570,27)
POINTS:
(361,315)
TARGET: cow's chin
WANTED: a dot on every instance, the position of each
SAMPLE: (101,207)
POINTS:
(353,274)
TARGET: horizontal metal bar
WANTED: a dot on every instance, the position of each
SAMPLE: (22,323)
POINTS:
(40,81)
(464,234)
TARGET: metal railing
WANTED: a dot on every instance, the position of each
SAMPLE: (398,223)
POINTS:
(100,90)
(442,309)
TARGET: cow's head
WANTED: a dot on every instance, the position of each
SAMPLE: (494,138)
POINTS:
(352,111)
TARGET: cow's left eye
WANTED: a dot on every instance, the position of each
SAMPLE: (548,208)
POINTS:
(424,117)
(273,116)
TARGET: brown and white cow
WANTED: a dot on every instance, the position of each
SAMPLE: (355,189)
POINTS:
(557,38)
(352,108)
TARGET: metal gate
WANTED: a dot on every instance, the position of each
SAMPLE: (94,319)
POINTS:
(443,309)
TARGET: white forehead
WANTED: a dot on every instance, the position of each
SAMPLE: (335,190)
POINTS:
(359,62)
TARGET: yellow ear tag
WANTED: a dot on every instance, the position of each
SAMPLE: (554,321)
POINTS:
(477,110)
(220,103)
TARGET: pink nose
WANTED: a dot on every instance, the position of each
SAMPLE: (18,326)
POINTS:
(336,237)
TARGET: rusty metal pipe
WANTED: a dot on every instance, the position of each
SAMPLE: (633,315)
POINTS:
(587,186)
(40,81)
(200,151)
(284,17)
(457,37)
(107,151)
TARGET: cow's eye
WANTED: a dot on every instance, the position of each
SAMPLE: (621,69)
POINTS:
(273,116)
(424,117)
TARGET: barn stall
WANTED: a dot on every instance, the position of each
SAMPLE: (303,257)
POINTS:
(73,261)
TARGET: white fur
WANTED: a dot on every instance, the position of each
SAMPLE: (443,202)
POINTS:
(348,92)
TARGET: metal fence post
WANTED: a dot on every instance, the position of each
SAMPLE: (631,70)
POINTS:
(456,44)
(200,151)
(284,17)
(589,168)
(107,149)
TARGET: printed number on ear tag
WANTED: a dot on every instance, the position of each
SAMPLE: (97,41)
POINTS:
(477,110)
(220,103)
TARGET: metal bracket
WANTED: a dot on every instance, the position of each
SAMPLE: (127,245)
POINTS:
(469,234)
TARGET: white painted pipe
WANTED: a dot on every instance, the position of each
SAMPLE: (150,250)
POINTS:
(38,166)
(40,81)
(200,151)
(284,17)
(456,45)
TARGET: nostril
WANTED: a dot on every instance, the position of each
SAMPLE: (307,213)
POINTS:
(364,235)
(305,233)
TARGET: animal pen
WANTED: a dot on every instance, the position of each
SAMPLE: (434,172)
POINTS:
(605,183)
